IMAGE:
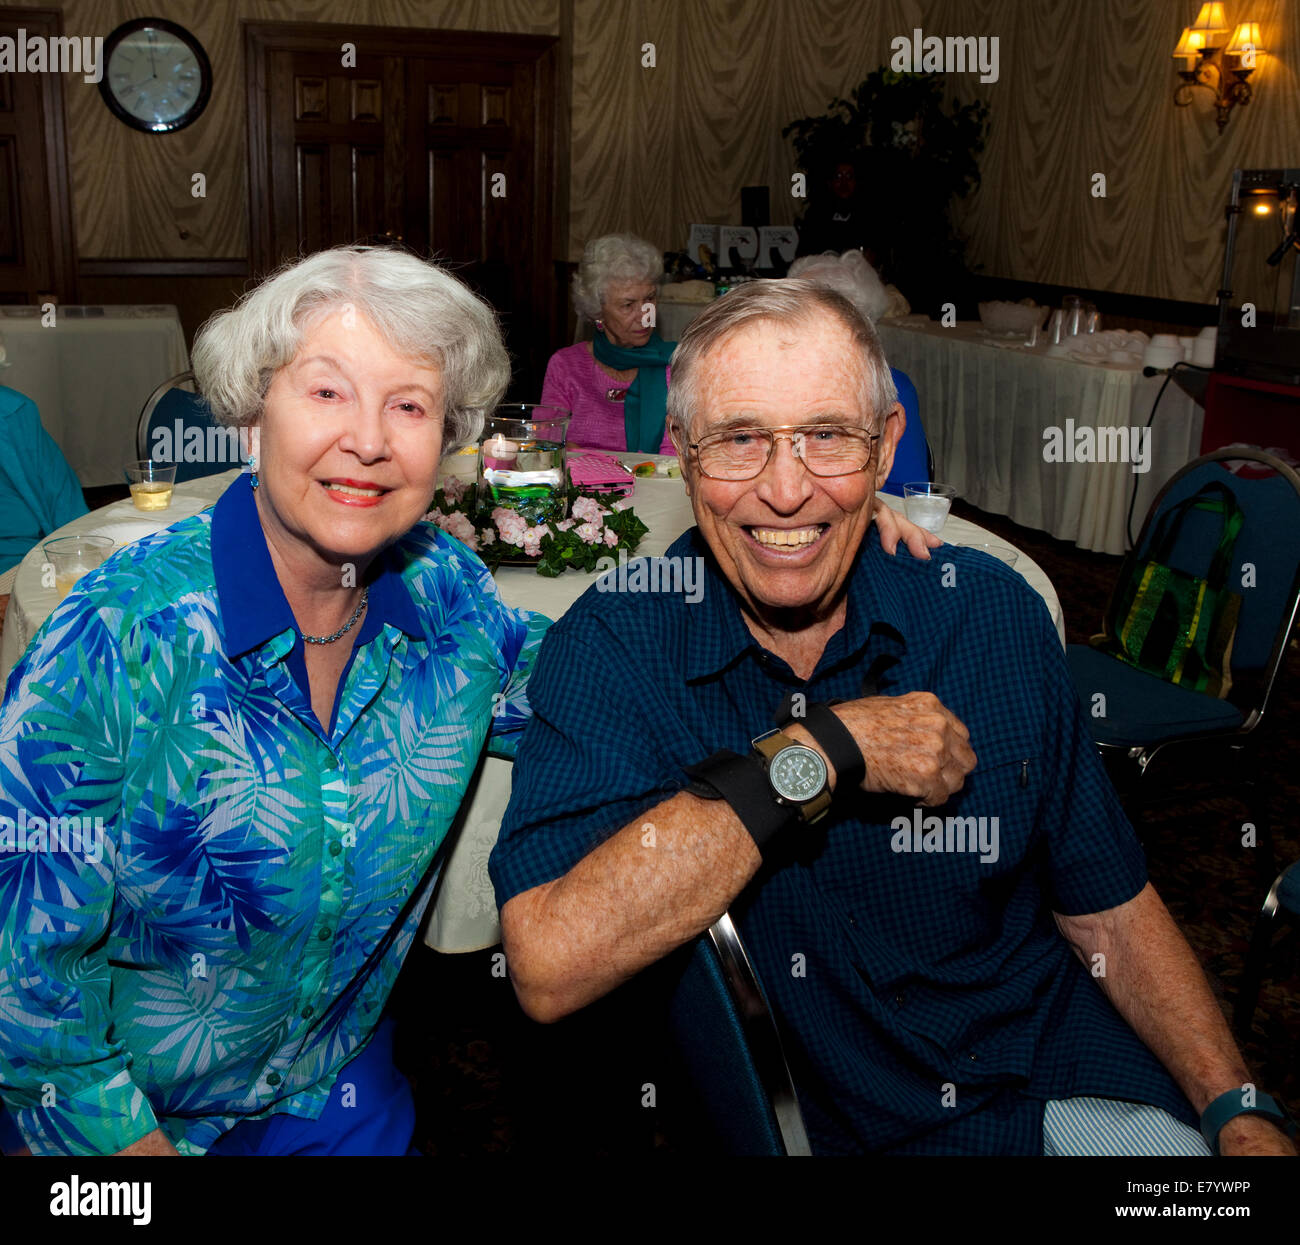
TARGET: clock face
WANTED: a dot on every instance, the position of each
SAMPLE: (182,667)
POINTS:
(797,773)
(158,78)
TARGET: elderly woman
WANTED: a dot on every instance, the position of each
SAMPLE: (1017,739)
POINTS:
(852,276)
(262,720)
(616,386)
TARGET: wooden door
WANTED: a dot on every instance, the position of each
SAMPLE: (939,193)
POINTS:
(37,261)
(443,141)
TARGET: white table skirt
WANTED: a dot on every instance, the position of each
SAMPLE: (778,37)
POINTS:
(90,377)
(464,915)
(985,410)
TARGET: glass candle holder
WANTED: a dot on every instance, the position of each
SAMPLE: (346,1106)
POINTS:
(521,461)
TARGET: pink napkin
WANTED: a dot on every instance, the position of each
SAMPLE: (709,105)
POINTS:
(599,473)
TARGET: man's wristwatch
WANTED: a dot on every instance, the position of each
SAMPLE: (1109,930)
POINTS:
(796,774)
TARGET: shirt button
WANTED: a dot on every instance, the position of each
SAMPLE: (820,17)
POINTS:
(308,1012)
(973,1057)
(324,934)
(898,998)
(273,1078)
(335,847)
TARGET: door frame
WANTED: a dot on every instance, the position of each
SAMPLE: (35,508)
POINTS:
(548,153)
(63,248)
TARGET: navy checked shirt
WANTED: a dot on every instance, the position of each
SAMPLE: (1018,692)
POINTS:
(927,1001)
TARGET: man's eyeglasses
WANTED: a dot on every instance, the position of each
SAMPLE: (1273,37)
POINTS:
(825,449)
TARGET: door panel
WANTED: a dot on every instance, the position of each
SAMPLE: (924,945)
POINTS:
(431,139)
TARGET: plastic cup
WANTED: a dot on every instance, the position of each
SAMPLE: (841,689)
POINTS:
(73,556)
(151,484)
(927,504)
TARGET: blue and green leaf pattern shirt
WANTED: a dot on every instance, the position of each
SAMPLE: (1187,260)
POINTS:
(205,894)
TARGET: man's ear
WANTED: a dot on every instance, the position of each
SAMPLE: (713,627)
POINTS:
(891,432)
(677,435)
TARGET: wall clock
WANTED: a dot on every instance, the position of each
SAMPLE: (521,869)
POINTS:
(157,76)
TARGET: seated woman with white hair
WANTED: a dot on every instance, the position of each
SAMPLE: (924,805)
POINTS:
(260,723)
(616,386)
(852,276)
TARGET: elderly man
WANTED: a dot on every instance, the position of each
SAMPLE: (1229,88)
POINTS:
(998,977)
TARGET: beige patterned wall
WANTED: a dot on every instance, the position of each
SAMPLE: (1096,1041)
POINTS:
(131,191)
(1085,86)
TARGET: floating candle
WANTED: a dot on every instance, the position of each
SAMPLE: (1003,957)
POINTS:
(500,452)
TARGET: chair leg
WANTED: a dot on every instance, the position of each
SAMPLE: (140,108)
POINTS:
(1256,956)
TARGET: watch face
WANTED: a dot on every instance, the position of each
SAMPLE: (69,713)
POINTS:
(797,773)
(157,77)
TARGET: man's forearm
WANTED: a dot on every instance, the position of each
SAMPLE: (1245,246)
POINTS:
(645,891)
(1153,978)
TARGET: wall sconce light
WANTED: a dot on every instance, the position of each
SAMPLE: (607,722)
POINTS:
(1215,62)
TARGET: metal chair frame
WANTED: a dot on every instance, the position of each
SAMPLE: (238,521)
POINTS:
(1260,941)
(146,412)
(761,1033)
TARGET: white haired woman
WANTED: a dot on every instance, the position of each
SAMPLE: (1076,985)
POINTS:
(852,276)
(616,386)
(264,719)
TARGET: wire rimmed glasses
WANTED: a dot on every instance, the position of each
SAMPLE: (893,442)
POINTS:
(736,454)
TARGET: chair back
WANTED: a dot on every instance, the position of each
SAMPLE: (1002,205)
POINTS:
(176,426)
(912,458)
(1265,566)
(729,1039)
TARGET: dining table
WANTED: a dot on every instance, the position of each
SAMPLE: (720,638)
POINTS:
(1017,429)
(463,915)
(90,369)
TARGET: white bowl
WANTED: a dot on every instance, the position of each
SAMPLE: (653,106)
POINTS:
(1162,356)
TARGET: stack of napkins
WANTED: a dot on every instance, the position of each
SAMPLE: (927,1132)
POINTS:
(599,473)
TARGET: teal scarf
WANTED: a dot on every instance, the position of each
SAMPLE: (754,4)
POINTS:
(646,405)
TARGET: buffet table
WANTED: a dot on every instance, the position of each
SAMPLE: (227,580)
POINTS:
(985,404)
(90,374)
(463,916)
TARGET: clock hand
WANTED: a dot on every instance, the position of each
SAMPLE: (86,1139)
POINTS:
(152,65)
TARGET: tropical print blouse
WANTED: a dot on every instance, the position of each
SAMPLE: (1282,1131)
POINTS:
(205,893)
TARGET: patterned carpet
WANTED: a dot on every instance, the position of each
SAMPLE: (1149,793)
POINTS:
(488,1081)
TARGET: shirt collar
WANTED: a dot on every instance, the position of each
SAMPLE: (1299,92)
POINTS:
(252,603)
(877,609)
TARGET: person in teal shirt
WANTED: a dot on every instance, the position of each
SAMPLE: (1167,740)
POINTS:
(229,758)
(38,490)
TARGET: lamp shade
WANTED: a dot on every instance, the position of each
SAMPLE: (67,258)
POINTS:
(1191,44)
(1246,36)
(1211,21)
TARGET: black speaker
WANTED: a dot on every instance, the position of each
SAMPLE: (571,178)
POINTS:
(755,207)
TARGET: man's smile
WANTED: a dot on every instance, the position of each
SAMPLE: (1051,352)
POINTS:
(787,537)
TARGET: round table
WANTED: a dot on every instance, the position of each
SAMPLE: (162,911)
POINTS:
(463,916)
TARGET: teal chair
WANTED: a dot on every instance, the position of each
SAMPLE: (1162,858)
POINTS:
(169,403)
(729,1041)
(1157,738)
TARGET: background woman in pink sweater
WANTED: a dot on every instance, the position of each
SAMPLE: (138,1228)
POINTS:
(617,385)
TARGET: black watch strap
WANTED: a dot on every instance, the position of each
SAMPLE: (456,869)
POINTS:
(835,740)
(742,782)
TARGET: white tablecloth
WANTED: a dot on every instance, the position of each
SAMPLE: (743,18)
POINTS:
(985,408)
(464,914)
(90,376)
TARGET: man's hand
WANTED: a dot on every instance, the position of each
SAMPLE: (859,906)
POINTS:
(894,527)
(155,1142)
(912,745)
(1254,1134)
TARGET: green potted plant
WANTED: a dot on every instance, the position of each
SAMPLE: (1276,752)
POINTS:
(883,168)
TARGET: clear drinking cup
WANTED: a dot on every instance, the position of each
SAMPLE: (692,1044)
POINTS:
(151,484)
(927,504)
(73,556)
(521,462)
